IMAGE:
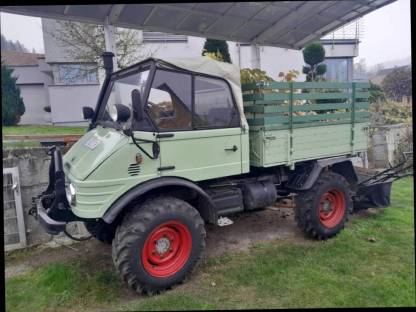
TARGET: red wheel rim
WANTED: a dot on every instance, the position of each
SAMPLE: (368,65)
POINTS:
(167,249)
(331,208)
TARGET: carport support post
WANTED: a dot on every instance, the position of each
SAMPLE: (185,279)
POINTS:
(110,43)
(255,56)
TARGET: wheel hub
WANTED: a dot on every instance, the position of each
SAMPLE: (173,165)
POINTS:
(327,206)
(167,249)
(162,245)
(332,208)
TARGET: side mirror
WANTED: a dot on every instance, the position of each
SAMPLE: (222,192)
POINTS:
(119,112)
(87,112)
(136,101)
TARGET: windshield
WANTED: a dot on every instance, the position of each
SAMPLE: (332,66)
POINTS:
(121,93)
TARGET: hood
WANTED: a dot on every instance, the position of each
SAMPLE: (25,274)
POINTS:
(91,150)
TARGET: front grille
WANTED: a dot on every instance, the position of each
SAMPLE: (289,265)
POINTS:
(134,169)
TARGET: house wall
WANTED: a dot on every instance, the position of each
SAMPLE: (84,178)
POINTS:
(341,50)
(35,98)
(275,60)
(32,84)
(67,102)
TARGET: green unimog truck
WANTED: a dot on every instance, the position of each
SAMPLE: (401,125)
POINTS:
(175,144)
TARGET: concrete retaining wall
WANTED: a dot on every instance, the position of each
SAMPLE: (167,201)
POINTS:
(384,142)
(33,164)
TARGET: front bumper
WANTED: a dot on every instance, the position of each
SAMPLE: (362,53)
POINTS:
(51,207)
(50,225)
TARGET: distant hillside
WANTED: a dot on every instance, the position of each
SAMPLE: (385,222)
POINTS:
(377,77)
(391,64)
(10,45)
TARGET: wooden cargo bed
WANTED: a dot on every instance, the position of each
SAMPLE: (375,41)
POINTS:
(296,121)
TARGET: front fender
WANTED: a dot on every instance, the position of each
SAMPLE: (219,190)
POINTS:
(208,206)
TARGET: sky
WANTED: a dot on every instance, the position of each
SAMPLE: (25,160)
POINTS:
(386,33)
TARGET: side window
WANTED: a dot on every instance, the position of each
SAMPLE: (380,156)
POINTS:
(170,101)
(214,106)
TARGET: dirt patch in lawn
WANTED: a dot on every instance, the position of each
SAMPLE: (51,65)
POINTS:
(273,223)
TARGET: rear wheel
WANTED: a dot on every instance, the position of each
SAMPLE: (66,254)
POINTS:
(158,244)
(322,211)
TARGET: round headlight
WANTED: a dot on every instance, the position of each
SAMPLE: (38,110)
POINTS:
(70,194)
(113,112)
(71,189)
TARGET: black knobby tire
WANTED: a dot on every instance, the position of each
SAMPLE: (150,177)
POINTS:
(101,231)
(322,211)
(131,242)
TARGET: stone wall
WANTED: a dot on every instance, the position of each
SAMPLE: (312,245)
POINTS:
(385,143)
(33,164)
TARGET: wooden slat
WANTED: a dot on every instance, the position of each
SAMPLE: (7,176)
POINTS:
(362,95)
(322,85)
(304,85)
(266,96)
(267,120)
(262,102)
(321,96)
(319,107)
(362,85)
(265,85)
(306,118)
(320,124)
(266,109)
(362,105)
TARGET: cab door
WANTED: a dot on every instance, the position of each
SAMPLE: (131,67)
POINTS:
(198,125)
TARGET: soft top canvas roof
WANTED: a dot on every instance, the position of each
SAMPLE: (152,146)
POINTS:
(207,65)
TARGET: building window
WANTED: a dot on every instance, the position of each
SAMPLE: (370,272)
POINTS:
(338,69)
(154,36)
(72,74)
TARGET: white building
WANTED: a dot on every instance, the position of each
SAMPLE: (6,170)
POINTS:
(68,90)
(33,83)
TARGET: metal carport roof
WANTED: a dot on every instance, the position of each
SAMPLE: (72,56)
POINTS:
(288,24)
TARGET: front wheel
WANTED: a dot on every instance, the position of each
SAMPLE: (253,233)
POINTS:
(322,211)
(158,244)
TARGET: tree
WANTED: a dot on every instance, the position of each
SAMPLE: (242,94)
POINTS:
(398,84)
(255,75)
(85,43)
(215,56)
(12,106)
(290,76)
(314,55)
(376,94)
(10,45)
(217,46)
(360,69)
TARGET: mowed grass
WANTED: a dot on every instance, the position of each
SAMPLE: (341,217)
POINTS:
(347,271)
(42,130)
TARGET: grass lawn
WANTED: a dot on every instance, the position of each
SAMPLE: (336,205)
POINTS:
(20,144)
(347,271)
(39,130)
